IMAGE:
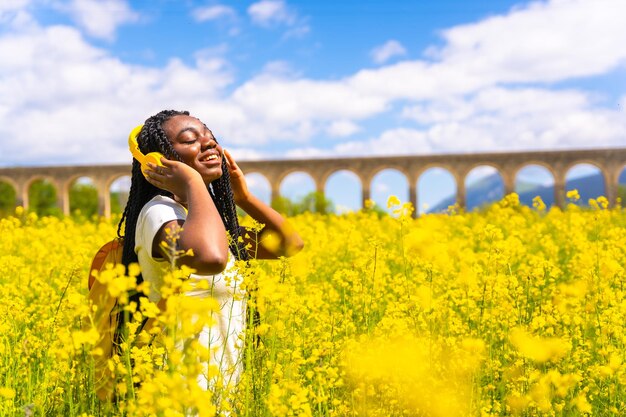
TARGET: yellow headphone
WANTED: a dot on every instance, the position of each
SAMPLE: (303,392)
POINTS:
(152,157)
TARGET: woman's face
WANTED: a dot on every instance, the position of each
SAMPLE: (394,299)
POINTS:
(196,145)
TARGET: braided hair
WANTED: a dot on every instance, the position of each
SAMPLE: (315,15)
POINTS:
(152,138)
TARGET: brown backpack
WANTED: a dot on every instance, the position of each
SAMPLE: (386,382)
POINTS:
(105,317)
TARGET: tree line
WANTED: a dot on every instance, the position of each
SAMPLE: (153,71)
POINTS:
(42,197)
(84,201)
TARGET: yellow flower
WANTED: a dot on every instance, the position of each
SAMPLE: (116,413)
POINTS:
(580,401)
(405,210)
(539,349)
(271,241)
(436,298)
(539,204)
(393,201)
(573,195)
(8,393)
(87,337)
(603,202)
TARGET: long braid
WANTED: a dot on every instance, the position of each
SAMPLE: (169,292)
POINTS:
(152,138)
(222,194)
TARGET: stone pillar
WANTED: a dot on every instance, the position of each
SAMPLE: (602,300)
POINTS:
(559,189)
(319,185)
(19,194)
(275,191)
(616,171)
(611,179)
(460,190)
(413,197)
(104,199)
(63,197)
(366,181)
(365,195)
(509,181)
(25,188)
(611,193)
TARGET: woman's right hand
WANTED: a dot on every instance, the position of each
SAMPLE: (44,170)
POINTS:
(173,176)
(203,230)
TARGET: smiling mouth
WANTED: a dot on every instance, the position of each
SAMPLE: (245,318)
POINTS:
(211,157)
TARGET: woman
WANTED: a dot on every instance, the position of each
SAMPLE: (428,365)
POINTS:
(193,195)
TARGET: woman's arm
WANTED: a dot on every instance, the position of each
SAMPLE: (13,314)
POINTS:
(203,231)
(276,229)
(289,242)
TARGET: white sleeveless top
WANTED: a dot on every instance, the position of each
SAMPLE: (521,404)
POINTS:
(225,337)
(154,214)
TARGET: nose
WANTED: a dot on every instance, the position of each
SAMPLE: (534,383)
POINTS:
(207,142)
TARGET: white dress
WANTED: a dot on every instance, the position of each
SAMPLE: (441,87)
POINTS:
(225,338)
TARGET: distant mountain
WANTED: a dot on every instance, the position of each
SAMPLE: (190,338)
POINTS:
(491,188)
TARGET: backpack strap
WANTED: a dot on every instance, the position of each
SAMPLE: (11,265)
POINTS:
(109,252)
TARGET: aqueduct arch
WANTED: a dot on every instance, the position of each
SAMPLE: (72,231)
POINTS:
(23,197)
(609,161)
(327,179)
(605,175)
(104,192)
(14,190)
(543,165)
(67,187)
(448,170)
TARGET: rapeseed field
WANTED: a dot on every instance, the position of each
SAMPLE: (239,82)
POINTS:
(508,311)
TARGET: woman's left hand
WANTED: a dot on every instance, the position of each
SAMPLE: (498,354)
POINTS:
(237,180)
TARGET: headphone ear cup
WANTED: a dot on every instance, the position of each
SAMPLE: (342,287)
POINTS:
(153,158)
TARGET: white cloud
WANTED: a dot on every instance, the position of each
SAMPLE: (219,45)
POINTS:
(247,154)
(581,170)
(13,5)
(256,180)
(218,11)
(69,102)
(121,184)
(267,13)
(545,41)
(292,109)
(503,102)
(535,174)
(296,185)
(398,141)
(342,128)
(622,104)
(273,13)
(479,173)
(381,187)
(212,52)
(14,15)
(297,31)
(278,69)
(100,18)
(306,153)
(517,119)
(497,119)
(386,51)
(53,81)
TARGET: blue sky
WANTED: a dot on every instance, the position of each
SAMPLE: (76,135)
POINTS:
(285,79)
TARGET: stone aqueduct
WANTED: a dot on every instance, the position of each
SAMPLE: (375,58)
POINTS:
(609,161)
